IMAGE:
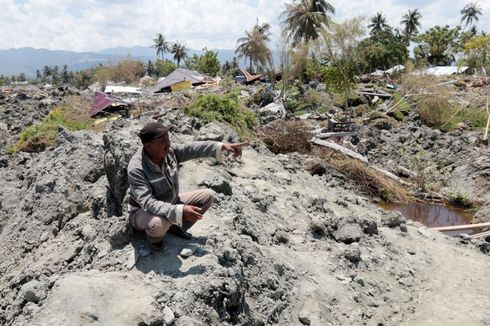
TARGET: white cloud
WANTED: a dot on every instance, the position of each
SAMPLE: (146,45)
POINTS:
(97,24)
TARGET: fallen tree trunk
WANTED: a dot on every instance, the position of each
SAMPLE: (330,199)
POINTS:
(480,235)
(461,227)
(391,176)
(341,149)
(339,134)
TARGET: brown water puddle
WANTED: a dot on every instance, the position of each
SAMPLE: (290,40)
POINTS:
(433,215)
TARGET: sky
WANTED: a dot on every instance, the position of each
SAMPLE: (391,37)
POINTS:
(93,25)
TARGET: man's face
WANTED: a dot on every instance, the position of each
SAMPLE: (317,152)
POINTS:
(158,148)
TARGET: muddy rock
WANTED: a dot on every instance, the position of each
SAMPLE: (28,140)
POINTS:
(348,233)
(393,219)
(219,184)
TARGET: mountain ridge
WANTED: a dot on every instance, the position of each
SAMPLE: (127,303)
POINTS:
(27,60)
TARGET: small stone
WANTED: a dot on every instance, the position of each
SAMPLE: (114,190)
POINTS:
(187,252)
(411,252)
(464,236)
(168,316)
(132,259)
(359,280)
(352,254)
(303,318)
(179,312)
(33,291)
(403,227)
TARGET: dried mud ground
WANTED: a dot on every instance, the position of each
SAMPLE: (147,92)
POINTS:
(279,246)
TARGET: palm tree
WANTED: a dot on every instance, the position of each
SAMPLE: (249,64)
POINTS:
(469,13)
(179,51)
(161,45)
(254,46)
(378,23)
(305,19)
(411,20)
(46,73)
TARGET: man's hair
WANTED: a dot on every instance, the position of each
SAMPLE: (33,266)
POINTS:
(151,131)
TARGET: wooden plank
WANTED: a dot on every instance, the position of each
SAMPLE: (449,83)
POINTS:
(488,122)
(480,235)
(383,95)
(391,175)
(461,227)
(339,148)
(326,135)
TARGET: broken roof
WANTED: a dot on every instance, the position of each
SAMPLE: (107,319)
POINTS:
(177,76)
(103,101)
(249,77)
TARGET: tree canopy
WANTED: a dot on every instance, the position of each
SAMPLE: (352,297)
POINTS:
(305,20)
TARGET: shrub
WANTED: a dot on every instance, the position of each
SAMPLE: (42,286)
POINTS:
(432,100)
(369,181)
(286,137)
(165,67)
(225,108)
(72,115)
(127,70)
(459,198)
(419,162)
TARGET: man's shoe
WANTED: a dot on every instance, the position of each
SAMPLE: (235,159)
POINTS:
(174,229)
(156,246)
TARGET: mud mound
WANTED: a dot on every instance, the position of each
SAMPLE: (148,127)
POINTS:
(279,245)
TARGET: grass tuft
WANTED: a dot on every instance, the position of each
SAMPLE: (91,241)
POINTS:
(72,115)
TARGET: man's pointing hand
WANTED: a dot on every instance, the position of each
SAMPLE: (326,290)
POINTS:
(235,148)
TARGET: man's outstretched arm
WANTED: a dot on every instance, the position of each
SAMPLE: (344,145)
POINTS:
(200,149)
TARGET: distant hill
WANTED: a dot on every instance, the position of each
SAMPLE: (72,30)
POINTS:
(28,60)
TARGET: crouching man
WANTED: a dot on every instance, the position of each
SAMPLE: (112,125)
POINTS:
(155,204)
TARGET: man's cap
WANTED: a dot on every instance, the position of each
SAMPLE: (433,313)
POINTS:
(152,130)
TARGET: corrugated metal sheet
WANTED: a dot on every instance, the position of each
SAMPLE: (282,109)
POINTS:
(445,70)
(101,102)
(177,76)
(122,89)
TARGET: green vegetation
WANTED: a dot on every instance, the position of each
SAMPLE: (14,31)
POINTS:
(161,44)
(306,20)
(459,198)
(382,50)
(127,70)
(477,51)
(70,115)
(207,63)
(179,51)
(224,108)
(421,164)
(164,67)
(438,112)
(437,46)
(254,47)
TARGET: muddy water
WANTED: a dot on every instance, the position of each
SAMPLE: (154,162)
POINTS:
(433,215)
